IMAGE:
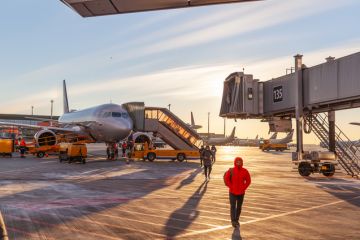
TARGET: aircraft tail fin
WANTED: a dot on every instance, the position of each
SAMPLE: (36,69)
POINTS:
(274,136)
(65,98)
(289,137)
(192,119)
(232,135)
(257,137)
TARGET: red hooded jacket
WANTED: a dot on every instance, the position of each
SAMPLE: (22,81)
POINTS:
(240,180)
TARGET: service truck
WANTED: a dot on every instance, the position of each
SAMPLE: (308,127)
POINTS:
(142,150)
(267,146)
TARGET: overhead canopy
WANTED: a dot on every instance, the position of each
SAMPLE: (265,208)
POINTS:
(90,8)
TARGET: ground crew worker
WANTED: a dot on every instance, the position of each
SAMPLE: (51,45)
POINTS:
(16,145)
(237,179)
(22,148)
(213,150)
(123,148)
(200,152)
(116,151)
(208,160)
(108,151)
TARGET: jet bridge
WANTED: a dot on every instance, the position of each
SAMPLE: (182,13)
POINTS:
(324,88)
(333,85)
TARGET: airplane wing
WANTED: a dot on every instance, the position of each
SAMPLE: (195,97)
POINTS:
(37,127)
(355,123)
(42,119)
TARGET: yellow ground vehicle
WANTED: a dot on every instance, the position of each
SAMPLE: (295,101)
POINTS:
(73,152)
(142,150)
(42,150)
(6,147)
(267,146)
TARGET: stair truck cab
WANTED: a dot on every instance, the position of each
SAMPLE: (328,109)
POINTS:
(142,151)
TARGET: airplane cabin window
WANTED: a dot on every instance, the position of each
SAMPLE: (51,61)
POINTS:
(116,114)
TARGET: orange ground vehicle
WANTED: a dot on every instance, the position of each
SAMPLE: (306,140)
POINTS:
(142,150)
(41,151)
(73,152)
(267,146)
(6,147)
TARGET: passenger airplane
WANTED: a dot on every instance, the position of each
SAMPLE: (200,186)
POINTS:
(221,141)
(109,123)
(355,143)
(251,142)
(285,140)
(193,125)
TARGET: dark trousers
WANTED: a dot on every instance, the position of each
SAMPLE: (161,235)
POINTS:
(236,202)
(207,170)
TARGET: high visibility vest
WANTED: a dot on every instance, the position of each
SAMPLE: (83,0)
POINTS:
(22,143)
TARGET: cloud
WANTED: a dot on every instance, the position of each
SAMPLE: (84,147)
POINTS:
(201,27)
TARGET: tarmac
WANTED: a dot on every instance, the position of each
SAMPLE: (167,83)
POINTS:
(45,199)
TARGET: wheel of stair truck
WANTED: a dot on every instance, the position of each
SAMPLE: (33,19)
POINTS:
(328,169)
(83,160)
(180,157)
(305,169)
(40,154)
(151,156)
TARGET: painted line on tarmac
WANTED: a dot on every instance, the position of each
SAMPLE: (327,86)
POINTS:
(119,226)
(267,218)
(3,232)
(146,214)
(46,161)
(102,236)
(28,234)
(187,214)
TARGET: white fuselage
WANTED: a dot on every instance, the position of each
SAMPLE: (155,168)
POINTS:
(104,123)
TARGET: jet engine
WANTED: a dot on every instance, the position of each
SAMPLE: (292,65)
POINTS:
(45,138)
(141,137)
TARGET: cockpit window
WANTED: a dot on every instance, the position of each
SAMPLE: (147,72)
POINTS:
(125,115)
(116,114)
(107,114)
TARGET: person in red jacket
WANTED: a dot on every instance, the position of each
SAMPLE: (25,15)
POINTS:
(237,179)
(22,148)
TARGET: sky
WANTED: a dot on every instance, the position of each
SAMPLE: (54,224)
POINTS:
(179,57)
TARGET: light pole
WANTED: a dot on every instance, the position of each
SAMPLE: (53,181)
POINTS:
(169,106)
(208,125)
(32,110)
(51,113)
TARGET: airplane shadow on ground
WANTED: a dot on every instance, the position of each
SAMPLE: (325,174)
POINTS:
(66,201)
(191,203)
(344,190)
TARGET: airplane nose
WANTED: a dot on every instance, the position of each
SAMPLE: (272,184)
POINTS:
(124,128)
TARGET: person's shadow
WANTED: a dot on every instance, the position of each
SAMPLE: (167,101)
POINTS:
(189,179)
(236,234)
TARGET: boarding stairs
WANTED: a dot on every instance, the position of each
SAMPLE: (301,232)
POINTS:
(171,129)
(345,149)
